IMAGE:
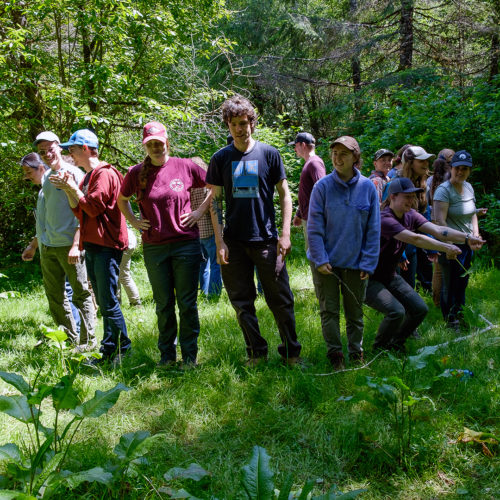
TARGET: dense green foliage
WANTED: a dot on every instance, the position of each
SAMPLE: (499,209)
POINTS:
(214,415)
(388,72)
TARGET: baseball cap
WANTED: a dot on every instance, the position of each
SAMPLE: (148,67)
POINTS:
(350,143)
(382,152)
(154,131)
(417,153)
(83,137)
(46,136)
(461,158)
(402,185)
(303,137)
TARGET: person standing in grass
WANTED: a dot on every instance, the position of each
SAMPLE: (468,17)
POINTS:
(210,277)
(170,237)
(455,207)
(103,235)
(312,171)
(387,291)
(245,173)
(343,230)
(57,239)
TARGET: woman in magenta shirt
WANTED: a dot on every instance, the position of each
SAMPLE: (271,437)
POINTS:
(170,238)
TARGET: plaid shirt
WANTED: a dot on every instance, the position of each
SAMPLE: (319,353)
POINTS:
(205,223)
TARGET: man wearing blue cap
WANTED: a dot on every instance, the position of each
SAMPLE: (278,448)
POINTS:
(57,238)
(387,291)
(103,235)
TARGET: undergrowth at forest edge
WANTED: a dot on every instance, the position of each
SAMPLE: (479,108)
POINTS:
(213,416)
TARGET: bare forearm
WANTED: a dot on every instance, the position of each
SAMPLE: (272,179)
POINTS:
(216,217)
(126,210)
(286,211)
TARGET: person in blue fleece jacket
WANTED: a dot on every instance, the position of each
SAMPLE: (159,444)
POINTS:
(343,230)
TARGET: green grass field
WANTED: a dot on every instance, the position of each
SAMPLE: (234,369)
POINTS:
(215,414)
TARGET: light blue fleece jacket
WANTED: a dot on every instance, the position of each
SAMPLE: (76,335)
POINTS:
(343,226)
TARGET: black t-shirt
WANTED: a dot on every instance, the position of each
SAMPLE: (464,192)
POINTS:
(391,249)
(248,180)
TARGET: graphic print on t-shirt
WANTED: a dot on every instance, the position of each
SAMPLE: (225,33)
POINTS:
(245,179)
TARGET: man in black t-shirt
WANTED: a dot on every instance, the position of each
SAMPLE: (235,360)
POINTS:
(244,174)
(387,291)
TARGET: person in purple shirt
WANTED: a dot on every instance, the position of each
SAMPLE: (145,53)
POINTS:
(387,291)
(170,237)
(312,171)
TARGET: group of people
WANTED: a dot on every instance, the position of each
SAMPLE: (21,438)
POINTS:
(353,245)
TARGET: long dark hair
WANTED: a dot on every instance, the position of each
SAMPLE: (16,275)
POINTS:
(441,174)
(33,160)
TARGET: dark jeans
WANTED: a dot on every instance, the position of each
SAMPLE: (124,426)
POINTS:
(238,277)
(402,306)
(173,270)
(409,274)
(454,284)
(103,267)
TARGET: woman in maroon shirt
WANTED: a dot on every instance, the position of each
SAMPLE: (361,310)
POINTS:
(170,238)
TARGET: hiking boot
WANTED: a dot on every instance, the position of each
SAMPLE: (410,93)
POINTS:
(356,358)
(254,362)
(292,361)
(79,349)
(337,360)
(189,365)
(167,363)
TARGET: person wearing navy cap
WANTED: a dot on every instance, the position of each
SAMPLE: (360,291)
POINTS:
(387,291)
(455,207)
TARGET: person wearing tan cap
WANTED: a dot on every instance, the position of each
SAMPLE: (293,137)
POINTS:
(343,230)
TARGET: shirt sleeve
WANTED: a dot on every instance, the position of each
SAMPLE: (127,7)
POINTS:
(316,223)
(129,184)
(442,194)
(102,186)
(214,176)
(371,248)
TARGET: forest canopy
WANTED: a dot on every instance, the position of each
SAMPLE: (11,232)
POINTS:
(387,72)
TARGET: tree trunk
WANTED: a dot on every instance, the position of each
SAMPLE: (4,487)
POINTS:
(495,53)
(406,35)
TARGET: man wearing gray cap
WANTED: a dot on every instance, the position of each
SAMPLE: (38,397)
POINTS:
(57,238)
(313,170)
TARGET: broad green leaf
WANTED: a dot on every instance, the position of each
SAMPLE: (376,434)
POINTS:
(420,360)
(469,435)
(10,451)
(177,493)
(193,471)
(58,336)
(257,477)
(17,381)
(17,406)
(48,469)
(306,489)
(64,396)
(133,445)
(286,489)
(100,403)
(36,397)
(397,382)
(95,475)
(411,401)
(44,453)
(14,495)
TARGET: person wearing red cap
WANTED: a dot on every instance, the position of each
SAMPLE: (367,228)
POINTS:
(103,236)
(172,253)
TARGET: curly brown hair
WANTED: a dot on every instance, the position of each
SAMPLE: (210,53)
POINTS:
(239,106)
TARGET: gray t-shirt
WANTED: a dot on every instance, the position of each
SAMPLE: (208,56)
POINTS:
(56,223)
(461,207)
